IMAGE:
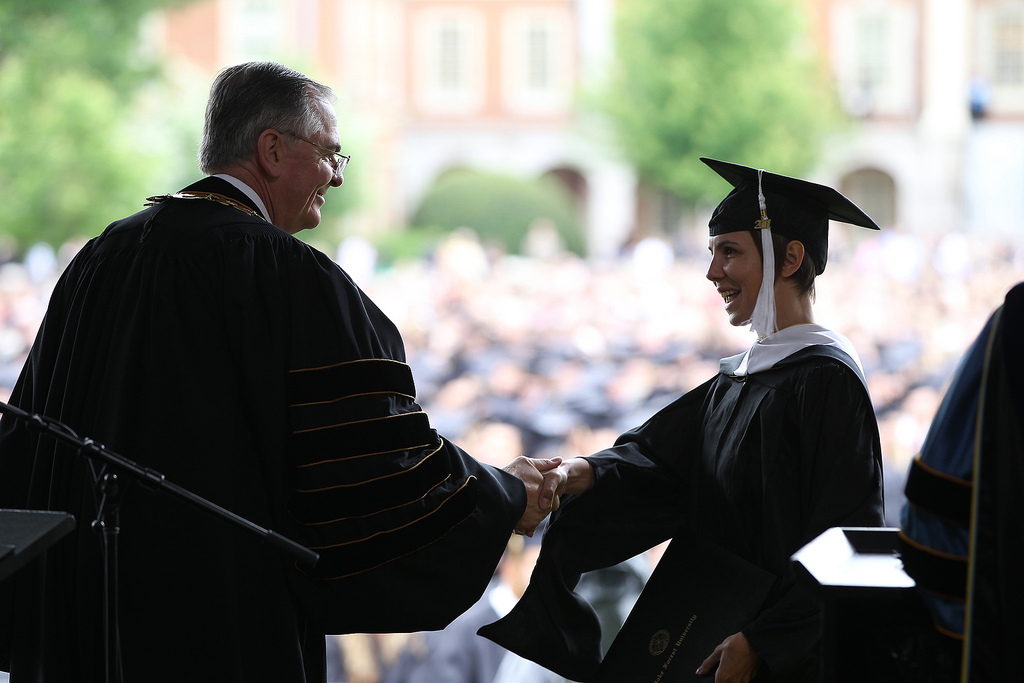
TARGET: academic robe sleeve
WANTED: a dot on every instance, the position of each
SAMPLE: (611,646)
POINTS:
(409,527)
(637,502)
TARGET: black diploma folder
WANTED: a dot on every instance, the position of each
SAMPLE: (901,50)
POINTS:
(698,595)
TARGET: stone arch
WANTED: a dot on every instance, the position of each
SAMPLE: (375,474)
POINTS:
(578,188)
(874,191)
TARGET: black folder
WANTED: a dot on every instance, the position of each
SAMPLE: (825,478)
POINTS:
(698,595)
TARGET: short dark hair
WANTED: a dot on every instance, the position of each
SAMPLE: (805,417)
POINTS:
(804,276)
(246,100)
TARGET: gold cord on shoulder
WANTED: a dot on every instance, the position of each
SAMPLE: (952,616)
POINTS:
(210,196)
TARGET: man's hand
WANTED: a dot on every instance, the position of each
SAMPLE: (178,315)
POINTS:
(737,662)
(546,480)
(544,485)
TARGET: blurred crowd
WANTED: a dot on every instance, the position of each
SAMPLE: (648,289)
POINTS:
(551,354)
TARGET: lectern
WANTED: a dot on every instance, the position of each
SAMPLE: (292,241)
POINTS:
(876,627)
(25,534)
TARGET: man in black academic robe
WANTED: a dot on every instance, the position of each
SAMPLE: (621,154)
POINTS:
(201,339)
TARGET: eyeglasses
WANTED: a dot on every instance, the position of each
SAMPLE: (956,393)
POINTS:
(337,160)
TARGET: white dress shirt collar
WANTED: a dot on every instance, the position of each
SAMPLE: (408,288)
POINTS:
(249,192)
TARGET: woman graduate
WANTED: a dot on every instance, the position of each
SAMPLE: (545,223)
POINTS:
(778,447)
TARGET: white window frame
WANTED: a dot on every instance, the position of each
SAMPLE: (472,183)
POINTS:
(260,37)
(890,58)
(522,91)
(1006,95)
(461,91)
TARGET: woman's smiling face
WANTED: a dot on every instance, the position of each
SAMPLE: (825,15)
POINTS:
(735,270)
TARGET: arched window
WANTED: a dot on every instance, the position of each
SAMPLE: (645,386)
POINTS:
(875,192)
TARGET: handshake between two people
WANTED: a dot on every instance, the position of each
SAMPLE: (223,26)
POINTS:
(546,481)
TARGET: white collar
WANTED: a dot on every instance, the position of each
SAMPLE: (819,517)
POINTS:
(765,353)
(249,192)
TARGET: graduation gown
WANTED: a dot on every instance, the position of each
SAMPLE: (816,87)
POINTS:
(760,464)
(245,366)
(962,533)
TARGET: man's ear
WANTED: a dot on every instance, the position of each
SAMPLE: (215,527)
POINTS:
(794,257)
(269,151)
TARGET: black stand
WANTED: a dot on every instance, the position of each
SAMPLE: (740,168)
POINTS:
(108,524)
(110,488)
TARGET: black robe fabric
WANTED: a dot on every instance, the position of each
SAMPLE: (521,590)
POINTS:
(995,592)
(962,536)
(246,367)
(760,465)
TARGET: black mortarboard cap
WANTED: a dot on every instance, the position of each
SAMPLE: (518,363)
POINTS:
(797,209)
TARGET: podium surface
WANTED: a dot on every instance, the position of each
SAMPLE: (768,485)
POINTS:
(851,558)
(875,625)
(25,534)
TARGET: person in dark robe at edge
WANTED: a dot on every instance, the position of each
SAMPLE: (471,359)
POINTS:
(962,526)
(200,338)
(777,448)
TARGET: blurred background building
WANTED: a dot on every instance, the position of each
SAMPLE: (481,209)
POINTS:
(935,87)
(482,84)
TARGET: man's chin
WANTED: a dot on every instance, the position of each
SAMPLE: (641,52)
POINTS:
(299,227)
(312,220)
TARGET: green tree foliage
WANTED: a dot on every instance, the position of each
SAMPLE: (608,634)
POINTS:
(71,159)
(500,209)
(732,80)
